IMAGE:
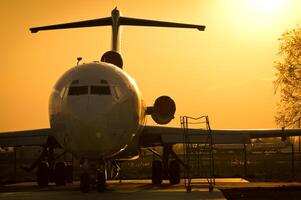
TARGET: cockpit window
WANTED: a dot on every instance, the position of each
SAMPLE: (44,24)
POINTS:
(100,90)
(78,90)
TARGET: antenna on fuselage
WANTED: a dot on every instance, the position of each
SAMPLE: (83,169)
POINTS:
(78,60)
(116,21)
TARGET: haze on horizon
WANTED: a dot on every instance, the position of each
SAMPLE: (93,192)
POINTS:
(225,72)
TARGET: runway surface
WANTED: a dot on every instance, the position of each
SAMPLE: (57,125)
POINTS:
(140,189)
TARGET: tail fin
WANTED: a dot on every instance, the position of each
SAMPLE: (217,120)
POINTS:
(115,21)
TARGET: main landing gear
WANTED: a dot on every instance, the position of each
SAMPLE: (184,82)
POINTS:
(48,170)
(60,173)
(43,174)
(167,168)
(158,174)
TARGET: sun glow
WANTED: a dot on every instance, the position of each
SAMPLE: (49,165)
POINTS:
(256,17)
(218,72)
(266,13)
(266,6)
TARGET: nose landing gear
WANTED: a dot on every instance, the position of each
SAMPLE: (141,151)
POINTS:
(93,177)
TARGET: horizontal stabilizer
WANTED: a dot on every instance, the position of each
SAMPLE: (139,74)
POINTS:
(88,23)
(115,21)
(146,22)
(122,21)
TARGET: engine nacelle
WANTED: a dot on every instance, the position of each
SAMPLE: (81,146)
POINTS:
(112,57)
(163,110)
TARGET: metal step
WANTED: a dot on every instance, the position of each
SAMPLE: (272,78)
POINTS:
(198,156)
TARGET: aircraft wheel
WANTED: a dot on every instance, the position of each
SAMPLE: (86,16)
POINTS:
(69,173)
(60,173)
(85,183)
(157,172)
(188,188)
(174,172)
(210,188)
(43,174)
(101,182)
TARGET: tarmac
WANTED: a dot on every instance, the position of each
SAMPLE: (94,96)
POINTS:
(134,189)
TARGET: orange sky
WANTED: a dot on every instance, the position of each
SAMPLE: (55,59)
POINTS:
(225,72)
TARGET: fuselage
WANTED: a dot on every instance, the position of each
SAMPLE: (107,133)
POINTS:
(96,110)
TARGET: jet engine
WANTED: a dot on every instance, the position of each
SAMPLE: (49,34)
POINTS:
(163,110)
(112,57)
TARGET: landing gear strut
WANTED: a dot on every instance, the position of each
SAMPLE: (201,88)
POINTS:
(47,170)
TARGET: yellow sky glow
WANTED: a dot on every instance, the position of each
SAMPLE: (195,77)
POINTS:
(226,71)
(266,6)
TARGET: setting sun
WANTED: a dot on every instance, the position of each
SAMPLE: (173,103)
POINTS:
(266,6)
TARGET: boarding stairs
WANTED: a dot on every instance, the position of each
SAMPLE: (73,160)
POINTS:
(198,156)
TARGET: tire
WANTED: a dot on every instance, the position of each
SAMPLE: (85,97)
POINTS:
(157,172)
(43,174)
(101,182)
(85,183)
(188,188)
(60,173)
(174,172)
(69,173)
(210,188)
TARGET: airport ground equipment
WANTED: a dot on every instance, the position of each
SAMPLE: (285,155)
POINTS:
(198,154)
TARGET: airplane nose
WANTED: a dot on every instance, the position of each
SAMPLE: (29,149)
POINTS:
(88,108)
(99,105)
(77,107)
(93,127)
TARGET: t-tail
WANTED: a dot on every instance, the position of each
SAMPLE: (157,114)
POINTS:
(116,21)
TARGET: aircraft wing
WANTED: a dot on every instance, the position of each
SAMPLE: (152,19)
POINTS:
(156,135)
(24,138)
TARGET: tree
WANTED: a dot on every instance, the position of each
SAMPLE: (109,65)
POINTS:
(288,81)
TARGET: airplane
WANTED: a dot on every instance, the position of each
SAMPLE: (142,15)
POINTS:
(97,114)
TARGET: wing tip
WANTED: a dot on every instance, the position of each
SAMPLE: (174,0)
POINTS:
(33,30)
(201,28)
